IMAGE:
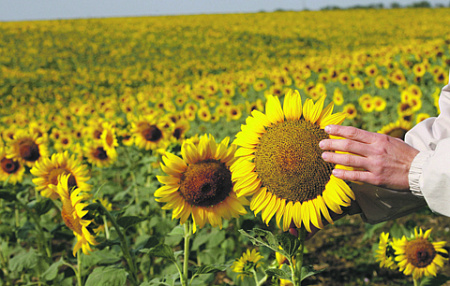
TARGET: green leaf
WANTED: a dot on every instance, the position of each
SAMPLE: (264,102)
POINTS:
(92,207)
(107,276)
(7,196)
(370,230)
(52,271)
(308,271)
(434,280)
(24,260)
(206,269)
(41,207)
(23,232)
(161,250)
(289,244)
(101,257)
(271,243)
(278,273)
(127,221)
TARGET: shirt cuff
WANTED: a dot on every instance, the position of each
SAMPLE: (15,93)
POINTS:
(415,172)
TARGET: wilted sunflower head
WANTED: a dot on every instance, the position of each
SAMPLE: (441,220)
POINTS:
(199,183)
(280,163)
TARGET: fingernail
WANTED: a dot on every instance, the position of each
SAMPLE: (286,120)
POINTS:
(321,144)
(337,172)
(324,155)
(327,129)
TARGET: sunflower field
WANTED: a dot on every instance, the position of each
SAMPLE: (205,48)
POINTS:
(183,150)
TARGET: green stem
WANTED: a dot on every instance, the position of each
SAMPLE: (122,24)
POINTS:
(416,282)
(123,244)
(105,222)
(255,277)
(187,236)
(135,189)
(78,272)
(299,257)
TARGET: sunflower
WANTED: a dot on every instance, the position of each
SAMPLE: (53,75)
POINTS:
(72,214)
(280,163)
(419,256)
(27,148)
(148,133)
(381,82)
(338,96)
(64,142)
(48,170)
(281,259)
(199,183)
(10,170)
(421,117)
(97,155)
(109,140)
(247,263)
(350,110)
(396,129)
(385,252)
(234,112)
(204,114)
(379,103)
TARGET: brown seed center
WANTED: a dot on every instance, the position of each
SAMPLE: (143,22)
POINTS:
(288,161)
(9,166)
(206,183)
(29,150)
(420,252)
(151,133)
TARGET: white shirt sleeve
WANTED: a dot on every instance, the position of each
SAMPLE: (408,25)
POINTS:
(429,176)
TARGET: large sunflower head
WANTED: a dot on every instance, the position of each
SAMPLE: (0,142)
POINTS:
(419,256)
(199,183)
(280,163)
(48,170)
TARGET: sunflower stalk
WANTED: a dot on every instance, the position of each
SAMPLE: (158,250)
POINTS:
(123,244)
(299,257)
(78,272)
(187,237)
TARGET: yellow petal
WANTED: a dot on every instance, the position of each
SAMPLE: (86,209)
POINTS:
(273,109)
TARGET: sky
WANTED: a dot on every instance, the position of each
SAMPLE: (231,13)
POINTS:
(18,10)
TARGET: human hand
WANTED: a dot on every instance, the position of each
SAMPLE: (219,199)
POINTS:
(380,159)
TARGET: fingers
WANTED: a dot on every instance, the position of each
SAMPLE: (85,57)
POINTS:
(351,133)
(345,159)
(345,145)
(358,176)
